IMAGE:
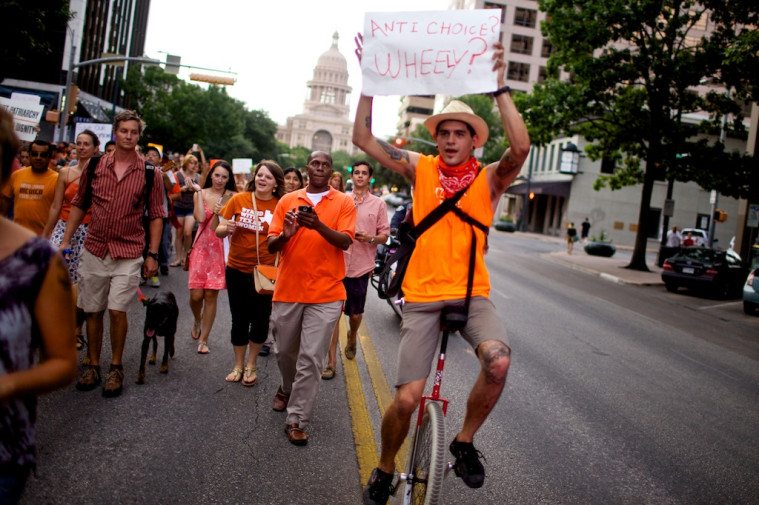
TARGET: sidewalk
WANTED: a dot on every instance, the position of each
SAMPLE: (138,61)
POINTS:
(612,269)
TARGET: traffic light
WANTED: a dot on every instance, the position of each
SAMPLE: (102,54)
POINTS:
(399,142)
(720,216)
(213,79)
(348,169)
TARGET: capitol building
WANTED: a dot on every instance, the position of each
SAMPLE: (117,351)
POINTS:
(324,124)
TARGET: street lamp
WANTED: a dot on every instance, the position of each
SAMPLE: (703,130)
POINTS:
(70,74)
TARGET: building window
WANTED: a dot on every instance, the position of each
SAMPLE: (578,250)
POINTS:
(608,165)
(328,96)
(525,17)
(542,73)
(518,71)
(547,49)
(521,44)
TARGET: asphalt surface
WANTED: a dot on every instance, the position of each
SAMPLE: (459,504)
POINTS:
(619,392)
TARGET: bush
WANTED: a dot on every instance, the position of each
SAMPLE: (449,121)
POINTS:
(601,237)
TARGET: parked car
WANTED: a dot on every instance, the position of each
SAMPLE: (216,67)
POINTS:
(700,238)
(710,271)
(751,292)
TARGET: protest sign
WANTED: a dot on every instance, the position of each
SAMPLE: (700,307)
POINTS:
(242,165)
(425,53)
(27,112)
(102,130)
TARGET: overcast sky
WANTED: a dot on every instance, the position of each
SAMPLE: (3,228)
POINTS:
(272,45)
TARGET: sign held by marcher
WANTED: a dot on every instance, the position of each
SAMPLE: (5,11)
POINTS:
(425,53)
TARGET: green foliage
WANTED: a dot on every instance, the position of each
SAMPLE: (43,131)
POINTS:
(30,34)
(634,67)
(179,114)
(601,237)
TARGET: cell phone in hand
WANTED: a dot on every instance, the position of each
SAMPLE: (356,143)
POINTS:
(195,147)
(306,209)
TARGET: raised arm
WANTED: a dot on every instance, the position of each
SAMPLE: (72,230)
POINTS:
(397,160)
(505,170)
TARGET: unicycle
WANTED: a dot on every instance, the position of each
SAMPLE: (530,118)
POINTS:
(427,466)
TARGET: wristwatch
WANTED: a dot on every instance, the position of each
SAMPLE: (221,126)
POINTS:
(153,255)
(500,91)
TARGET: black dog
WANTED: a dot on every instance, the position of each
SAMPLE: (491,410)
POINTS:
(160,319)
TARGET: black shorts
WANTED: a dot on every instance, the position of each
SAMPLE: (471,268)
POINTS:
(355,289)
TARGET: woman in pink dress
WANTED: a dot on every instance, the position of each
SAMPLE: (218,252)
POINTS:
(206,272)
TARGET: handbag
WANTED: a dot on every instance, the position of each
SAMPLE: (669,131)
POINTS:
(264,276)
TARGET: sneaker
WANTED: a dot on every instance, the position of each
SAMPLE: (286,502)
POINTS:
(154,282)
(89,379)
(379,488)
(265,350)
(114,382)
(467,465)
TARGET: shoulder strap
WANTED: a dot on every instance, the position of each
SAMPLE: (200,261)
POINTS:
(92,165)
(149,178)
(434,216)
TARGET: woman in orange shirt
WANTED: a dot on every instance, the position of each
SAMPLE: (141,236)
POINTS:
(246,218)
(87,144)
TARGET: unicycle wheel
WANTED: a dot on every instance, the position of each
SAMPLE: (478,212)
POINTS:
(428,463)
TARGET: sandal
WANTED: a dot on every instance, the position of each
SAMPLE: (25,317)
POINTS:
(195,330)
(234,376)
(177,263)
(203,348)
(328,373)
(250,371)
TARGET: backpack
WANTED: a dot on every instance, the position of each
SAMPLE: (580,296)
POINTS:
(92,166)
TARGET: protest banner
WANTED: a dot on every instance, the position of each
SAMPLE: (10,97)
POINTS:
(26,111)
(102,130)
(425,53)
(242,165)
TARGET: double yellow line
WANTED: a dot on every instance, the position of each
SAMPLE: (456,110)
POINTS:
(364,438)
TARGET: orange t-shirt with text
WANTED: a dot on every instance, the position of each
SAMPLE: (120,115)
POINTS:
(439,266)
(32,195)
(311,269)
(242,244)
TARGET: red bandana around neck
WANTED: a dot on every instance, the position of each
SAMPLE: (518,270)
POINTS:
(455,178)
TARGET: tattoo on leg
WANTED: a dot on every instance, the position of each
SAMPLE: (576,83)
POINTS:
(394,153)
(368,122)
(492,354)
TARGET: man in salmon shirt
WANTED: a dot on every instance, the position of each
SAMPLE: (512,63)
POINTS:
(311,228)
(438,270)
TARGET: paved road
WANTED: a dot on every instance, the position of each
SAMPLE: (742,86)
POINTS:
(617,394)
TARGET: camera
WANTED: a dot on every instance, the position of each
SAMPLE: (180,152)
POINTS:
(305,209)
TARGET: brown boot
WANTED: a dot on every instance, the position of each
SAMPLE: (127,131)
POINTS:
(89,378)
(114,382)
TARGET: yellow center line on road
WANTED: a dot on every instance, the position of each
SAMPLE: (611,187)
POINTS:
(363,431)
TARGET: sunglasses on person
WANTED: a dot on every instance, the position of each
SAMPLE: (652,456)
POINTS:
(37,154)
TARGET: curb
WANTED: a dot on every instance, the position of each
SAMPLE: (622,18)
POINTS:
(603,275)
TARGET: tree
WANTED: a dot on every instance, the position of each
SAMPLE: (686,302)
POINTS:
(179,114)
(34,32)
(634,66)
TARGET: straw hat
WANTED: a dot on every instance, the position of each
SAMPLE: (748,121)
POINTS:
(459,111)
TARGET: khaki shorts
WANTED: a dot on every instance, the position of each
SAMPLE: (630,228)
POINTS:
(420,332)
(107,283)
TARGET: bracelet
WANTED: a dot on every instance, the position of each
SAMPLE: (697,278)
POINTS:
(500,91)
